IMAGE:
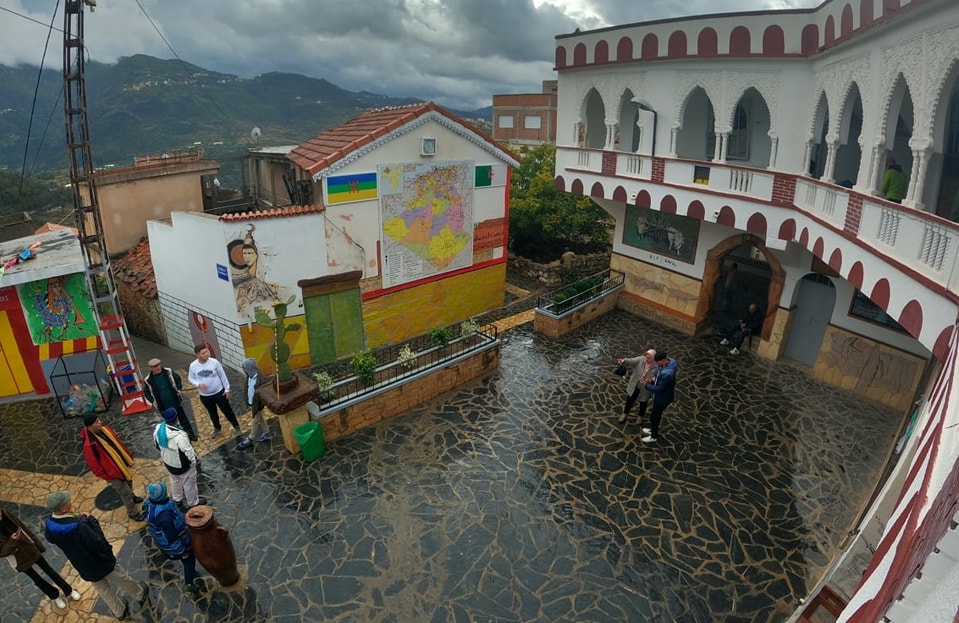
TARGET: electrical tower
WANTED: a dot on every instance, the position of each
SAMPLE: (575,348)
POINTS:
(114,337)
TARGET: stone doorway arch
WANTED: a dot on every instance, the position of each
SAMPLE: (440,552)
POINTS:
(711,275)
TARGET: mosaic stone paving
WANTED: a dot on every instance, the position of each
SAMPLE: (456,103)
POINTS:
(515,498)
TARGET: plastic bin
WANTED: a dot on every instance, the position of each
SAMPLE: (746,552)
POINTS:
(310,438)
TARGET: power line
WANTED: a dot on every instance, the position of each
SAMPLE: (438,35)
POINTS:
(177,56)
(30,19)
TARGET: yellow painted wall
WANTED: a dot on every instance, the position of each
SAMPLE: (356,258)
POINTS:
(257,340)
(395,317)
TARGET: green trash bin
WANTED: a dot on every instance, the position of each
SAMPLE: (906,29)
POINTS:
(310,438)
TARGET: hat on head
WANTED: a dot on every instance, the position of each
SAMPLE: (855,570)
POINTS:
(170,414)
(57,499)
(249,366)
(156,491)
(90,419)
(154,362)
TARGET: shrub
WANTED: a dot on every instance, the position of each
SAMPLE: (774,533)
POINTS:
(364,367)
(406,358)
(324,386)
(468,327)
(440,336)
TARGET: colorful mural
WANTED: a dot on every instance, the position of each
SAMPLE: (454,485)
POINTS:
(249,274)
(427,215)
(662,233)
(58,309)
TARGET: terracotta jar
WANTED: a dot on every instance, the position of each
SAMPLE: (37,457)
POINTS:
(212,545)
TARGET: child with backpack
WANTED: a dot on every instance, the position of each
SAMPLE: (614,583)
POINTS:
(168,529)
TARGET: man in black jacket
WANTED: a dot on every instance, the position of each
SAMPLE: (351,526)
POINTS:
(162,389)
(82,541)
(752,324)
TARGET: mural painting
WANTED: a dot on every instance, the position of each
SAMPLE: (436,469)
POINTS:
(427,214)
(58,309)
(662,233)
(249,266)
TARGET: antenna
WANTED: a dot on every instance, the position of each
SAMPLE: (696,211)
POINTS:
(255,134)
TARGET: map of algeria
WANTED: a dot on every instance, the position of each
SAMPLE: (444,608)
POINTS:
(432,224)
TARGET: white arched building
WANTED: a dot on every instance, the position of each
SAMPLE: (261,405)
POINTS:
(773,131)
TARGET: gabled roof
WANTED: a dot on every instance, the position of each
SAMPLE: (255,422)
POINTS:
(332,149)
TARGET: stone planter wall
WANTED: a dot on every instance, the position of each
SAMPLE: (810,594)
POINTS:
(554,327)
(552,274)
(403,397)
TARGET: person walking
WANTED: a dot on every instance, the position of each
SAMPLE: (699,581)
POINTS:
(210,379)
(82,541)
(24,550)
(110,460)
(644,371)
(751,324)
(663,390)
(179,457)
(254,380)
(162,387)
(167,526)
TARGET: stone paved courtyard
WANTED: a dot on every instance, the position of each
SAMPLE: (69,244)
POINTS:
(517,497)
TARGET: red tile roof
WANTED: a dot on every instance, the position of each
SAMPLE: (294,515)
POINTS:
(273,213)
(336,143)
(135,268)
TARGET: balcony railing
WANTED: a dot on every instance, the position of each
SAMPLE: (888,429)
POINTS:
(393,369)
(568,299)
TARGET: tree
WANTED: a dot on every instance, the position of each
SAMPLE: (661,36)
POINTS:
(37,193)
(545,222)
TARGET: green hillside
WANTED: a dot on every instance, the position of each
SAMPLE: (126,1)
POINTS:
(144,105)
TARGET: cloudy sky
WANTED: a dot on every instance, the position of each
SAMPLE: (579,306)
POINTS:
(455,52)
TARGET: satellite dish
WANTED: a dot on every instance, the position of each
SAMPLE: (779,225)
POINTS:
(255,134)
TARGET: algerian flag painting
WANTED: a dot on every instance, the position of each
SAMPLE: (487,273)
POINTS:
(490,175)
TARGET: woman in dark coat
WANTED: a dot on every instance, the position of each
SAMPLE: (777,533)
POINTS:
(23,549)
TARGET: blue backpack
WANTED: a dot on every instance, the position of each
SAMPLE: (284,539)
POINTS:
(167,527)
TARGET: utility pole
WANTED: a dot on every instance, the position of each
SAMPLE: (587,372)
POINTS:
(114,337)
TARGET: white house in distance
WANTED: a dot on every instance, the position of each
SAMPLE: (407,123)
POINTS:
(406,230)
(767,138)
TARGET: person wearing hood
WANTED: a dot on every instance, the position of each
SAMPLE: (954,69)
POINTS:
(167,526)
(179,457)
(110,460)
(254,380)
(24,550)
(894,182)
(82,541)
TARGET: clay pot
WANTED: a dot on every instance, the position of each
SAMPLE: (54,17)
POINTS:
(212,545)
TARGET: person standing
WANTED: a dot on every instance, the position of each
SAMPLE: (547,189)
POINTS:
(210,379)
(894,182)
(663,390)
(751,324)
(162,387)
(179,457)
(110,460)
(167,526)
(24,550)
(254,380)
(83,543)
(644,371)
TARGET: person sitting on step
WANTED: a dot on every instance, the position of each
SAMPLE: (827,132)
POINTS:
(744,327)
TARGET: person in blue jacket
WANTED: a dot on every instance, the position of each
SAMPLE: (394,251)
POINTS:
(168,529)
(663,391)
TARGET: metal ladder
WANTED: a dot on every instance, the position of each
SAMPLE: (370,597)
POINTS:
(114,338)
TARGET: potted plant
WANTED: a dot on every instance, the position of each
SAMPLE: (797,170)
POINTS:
(440,336)
(406,358)
(324,386)
(364,367)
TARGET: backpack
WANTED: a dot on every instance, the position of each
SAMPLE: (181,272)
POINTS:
(167,526)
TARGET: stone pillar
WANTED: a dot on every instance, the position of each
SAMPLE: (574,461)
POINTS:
(673,141)
(807,154)
(289,405)
(829,171)
(773,149)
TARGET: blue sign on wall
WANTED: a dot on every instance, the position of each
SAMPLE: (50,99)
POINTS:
(221,272)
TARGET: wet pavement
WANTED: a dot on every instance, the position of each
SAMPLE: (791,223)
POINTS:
(517,497)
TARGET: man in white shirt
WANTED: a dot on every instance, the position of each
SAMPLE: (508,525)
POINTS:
(210,379)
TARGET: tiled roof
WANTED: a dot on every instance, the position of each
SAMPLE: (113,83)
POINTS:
(272,213)
(135,268)
(334,144)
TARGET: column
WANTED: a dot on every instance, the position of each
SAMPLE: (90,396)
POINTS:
(725,146)
(827,174)
(773,151)
(673,141)
(805,158)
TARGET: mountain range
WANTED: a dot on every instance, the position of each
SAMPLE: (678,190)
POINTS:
(145,105)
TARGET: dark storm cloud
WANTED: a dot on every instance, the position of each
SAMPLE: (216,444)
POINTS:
(456,52)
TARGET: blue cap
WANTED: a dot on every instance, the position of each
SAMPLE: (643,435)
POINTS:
(156,491)
(170,414)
